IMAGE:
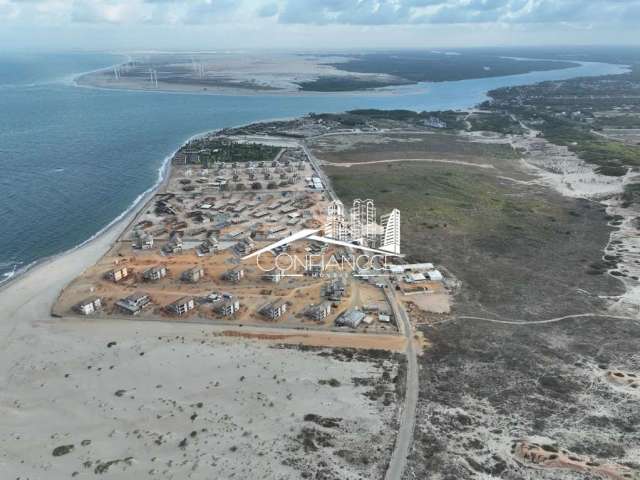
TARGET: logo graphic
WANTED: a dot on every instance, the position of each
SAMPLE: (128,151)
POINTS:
(357,230)
(361,227)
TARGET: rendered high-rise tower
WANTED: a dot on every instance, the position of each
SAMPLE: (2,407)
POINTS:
(391,236)
(362,222)
(336,227)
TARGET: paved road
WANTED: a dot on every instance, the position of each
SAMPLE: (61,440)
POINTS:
(316,166)
(408,415)
(404,438)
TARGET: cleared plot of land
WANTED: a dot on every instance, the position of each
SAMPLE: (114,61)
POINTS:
(131,400)
(181,258)
(519,249)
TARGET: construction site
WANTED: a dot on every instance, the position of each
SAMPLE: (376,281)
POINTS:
(182,257)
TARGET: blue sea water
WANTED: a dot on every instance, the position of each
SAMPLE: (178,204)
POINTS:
(72,159)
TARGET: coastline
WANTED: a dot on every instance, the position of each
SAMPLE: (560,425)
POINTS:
(86,80)
(123,220)
(119,223)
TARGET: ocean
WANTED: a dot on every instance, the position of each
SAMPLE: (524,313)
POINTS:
(73,159)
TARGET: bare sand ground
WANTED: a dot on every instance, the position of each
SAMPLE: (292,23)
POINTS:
(133,408)
(127,408)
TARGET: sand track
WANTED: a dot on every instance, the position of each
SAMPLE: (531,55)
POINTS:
(397,160)
(549,320)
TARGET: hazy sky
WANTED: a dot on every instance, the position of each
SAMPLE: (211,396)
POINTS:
(313,24)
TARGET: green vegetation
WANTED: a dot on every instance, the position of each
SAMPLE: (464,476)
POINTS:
(426,66)
(458,200)
(517,251)
(495,122)
(449,119)
(610,155)
(617,121)
(436,145)
(569,113)
(209,150)
(631,194)
(345,84)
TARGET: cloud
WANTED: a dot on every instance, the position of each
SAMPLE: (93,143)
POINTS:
(268,10)
(399,12)
(324,12)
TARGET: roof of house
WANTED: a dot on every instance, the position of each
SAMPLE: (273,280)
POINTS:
(181,301)
(275,304)
(135,296)
(155,268)
(351,317)
(89,300)
(194,270)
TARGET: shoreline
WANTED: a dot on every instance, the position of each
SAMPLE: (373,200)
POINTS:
(163,171)
(131,211)
(122,221)
(84,80)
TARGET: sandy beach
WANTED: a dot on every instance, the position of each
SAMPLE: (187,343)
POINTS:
(81,397)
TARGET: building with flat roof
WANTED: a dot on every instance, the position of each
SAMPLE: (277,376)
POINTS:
(335,289)
(144,241)
(274,276)
(117,274)
(350,318)
(89,305)
(227,305)
(410,267)
(435,275)
(319,312)
(182,305)
(174,245)
(412,277)
(134,303)
(155,273)
(274,310)
(245,247)
(193,275)
(234,275)
(314,271)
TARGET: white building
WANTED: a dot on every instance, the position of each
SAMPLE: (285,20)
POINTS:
(89,306)
(319,311)
(155,273)
(134,303)
(227,306)
(275,309)
(336,226)
(182,305)
(144,241)
(363,226)
(350,318)
(117,274)
(391,236)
